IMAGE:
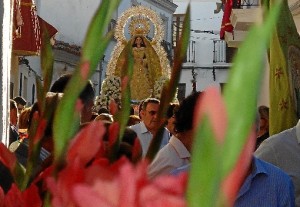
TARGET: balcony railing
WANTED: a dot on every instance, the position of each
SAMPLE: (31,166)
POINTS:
(219,51)
(191,53)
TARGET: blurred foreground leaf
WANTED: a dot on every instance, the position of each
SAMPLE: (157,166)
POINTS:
(211,160)
(169,88)
(66,121)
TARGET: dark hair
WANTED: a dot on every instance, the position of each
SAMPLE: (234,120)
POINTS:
(20,100)
(184,116)
(12,105)
(133,119)
(127,144)
(60,84)
(149,100)
(103,110)
(171,110)
(140,108)
(142,43)
(264,112)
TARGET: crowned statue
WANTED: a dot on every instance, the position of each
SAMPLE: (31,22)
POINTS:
(151,68)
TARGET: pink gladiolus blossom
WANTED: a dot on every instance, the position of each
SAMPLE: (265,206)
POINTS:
(91,138)
(124,83)
(124,185)
(236,177)
(78,105)
(113,133)
(212,105)
(113,107)
(84,70)
(42,124)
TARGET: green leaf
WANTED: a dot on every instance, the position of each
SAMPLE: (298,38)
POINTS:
(47,60)
(243,87)
(211,161)
(66,121)
(169,89)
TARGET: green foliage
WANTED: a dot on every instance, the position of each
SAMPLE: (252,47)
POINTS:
(66,122)
(169,88)
(211,161)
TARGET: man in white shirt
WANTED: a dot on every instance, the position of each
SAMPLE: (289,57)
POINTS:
(149,124)
(177,152)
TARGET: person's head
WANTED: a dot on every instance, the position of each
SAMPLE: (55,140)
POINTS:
(133,119)
(13,113)
(129,147)
(138,42)
(21,102)
(24,118)
(86,96)
(129,141)
(103,110)
(149,114)
(170,123)
(184,117)
(104,116)
(264,118)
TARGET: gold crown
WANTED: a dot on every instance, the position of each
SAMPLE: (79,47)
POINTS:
(139,26)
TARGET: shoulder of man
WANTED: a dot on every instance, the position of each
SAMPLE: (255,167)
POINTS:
(270,147)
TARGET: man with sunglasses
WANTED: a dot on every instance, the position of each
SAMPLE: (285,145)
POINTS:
(149,124)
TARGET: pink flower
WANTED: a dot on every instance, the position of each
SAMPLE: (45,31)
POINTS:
(125,185)
(86,143)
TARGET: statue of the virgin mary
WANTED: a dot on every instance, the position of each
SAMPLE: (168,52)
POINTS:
(150,67)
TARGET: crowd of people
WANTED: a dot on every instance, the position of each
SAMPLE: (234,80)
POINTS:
(273,178)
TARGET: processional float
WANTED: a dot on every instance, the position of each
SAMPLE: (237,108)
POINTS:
(151,68)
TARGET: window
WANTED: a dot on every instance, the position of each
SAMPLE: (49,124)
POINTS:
(181,91)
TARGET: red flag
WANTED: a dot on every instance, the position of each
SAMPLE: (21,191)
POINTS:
(226,24)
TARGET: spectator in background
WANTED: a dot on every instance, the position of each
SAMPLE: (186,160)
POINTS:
(149,124)
(13,122)
(283,151)
(104,116)
(263,184)
(133,119)
(21,103)
(103,110)
(24,122)
(177,152)
(87,96)
(263,132)
(170,123)
(21,147)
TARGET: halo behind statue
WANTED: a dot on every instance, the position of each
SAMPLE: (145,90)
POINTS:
(139,21)
(139,12)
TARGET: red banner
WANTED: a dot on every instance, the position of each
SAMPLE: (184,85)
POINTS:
(226,24)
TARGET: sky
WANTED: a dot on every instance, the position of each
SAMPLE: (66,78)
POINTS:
(202,17)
